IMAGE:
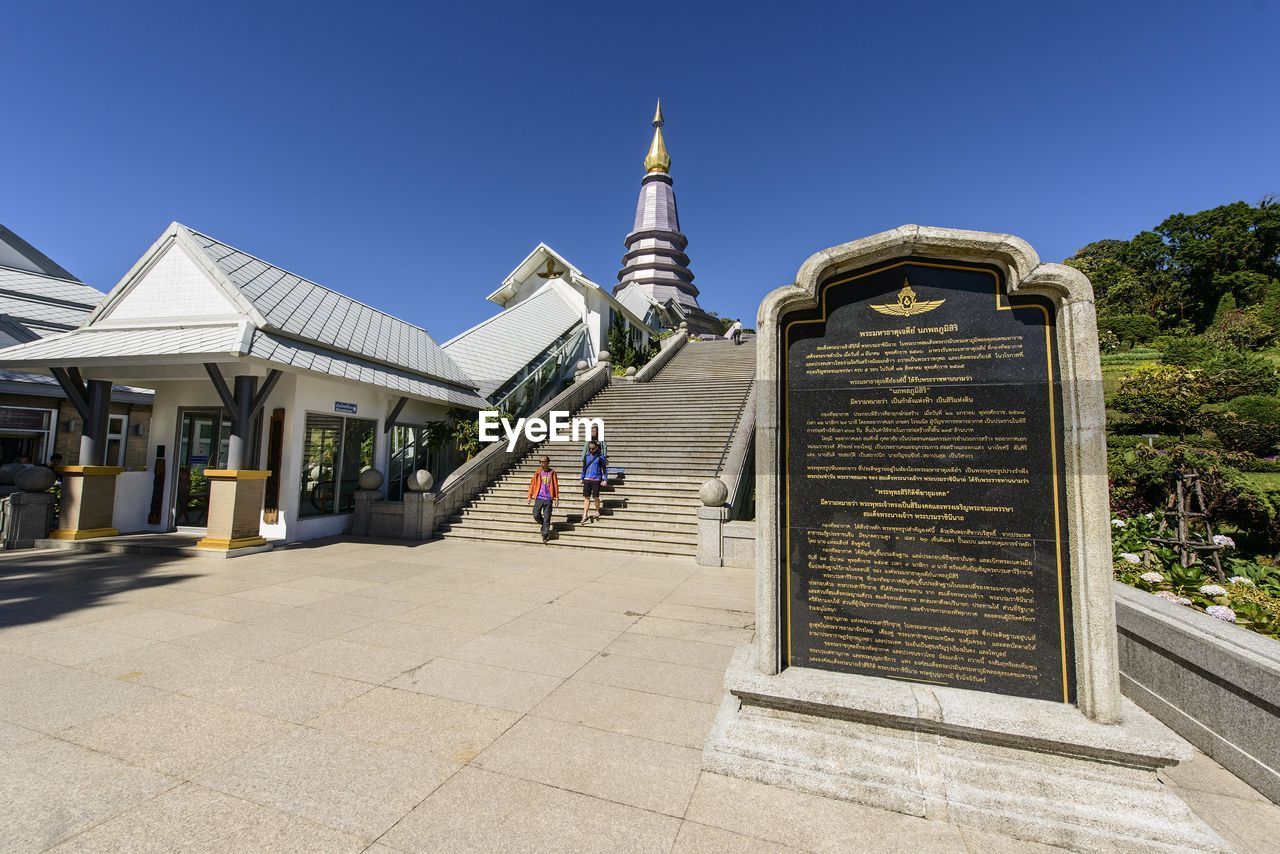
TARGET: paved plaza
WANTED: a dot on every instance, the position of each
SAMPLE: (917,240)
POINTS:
(450,696)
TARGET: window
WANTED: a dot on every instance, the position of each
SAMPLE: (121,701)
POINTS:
(25,434)
(117,430)
(334,452)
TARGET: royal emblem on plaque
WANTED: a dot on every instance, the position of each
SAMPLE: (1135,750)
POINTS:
(907,304)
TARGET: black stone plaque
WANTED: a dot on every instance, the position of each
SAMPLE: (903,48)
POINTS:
(924,532)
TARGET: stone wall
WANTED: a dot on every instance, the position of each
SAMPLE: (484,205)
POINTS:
(1215,684)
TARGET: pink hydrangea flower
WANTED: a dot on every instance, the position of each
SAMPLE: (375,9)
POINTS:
(1221,612)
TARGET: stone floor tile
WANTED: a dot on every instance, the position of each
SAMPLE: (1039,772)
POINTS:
(71,645)
(166,665)
(197,820)
(675,721)
(685,630)
(363,606)
(1203,774)
(228,608)
(557,613)
(1250,826)
(486,604)
(786,817)
(284,594)
(276,691)
(481,684)
(11,734)
(176,735)
(354,786)
(364,662)
(612,598)
(636,771)
(693,653)
(410,637)
(14,664)
(160,624)
(53,789)
(58,697)
(481,813)
(306,621)
(331,584)
(408,720)
(654,677)
(526,655)
(247,641)
(564,634)
(701,839)
(711,616)
(727,598)
(470,622)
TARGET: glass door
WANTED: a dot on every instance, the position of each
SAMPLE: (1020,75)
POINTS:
(202,443)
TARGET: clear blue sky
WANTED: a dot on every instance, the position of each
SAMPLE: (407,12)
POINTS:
(411,154)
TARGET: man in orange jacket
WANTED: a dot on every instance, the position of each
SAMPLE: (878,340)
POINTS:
(544,491)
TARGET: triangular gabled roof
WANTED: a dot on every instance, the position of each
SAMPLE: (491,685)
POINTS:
(277,301)
(192,299)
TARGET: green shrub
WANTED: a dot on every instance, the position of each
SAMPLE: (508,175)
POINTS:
(1230,373)
(1242,329)
(1129,329)
(1250,424)
(1188,351)
(1163,396)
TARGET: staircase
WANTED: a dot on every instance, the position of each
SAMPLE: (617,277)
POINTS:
(669,435)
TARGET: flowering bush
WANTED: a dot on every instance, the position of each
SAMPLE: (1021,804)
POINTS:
(1250,598)
(1221,612)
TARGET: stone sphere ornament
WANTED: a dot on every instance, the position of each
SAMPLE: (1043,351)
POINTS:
(371,479)
(604,356)
(420,481)
(581,366)
(35,479)
(714,493)
(631,371)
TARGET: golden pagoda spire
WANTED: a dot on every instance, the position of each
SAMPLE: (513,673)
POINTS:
(657,159)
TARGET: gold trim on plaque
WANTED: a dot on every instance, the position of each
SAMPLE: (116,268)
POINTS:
(1053,435)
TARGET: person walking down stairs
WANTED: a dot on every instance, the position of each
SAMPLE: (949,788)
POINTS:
(544,492)
(595,473)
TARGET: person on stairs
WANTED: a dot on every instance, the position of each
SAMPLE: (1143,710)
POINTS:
(734,332)
(595,437)
(595,472)
(544,492)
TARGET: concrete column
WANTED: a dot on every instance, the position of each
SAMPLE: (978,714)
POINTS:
(241,441)
(93,440)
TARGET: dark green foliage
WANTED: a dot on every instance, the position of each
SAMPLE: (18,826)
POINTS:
(1141,475)
(1242,329)
(1228,374)
(1162,396)
(1250,424)
(1130,329)
(1185,268)
(1185,350)
(623,353)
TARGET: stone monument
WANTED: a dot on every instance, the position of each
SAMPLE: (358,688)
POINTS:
(935,623)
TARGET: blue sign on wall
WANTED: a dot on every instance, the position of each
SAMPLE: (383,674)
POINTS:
(348,408)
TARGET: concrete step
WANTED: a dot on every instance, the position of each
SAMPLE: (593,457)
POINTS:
(592,530)
(557,541)
(610,519)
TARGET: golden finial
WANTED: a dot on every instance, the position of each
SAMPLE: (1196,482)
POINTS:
(657,159)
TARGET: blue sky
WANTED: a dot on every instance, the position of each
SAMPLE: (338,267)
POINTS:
(411,154)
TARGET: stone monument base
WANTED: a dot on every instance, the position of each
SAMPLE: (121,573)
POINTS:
(1024,768)
(235,509)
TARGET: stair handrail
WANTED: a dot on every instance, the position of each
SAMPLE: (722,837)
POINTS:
(667,350)
(735,461)
(475,475)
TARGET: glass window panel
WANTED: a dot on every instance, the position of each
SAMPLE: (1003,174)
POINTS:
(321,441)
(357,455)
